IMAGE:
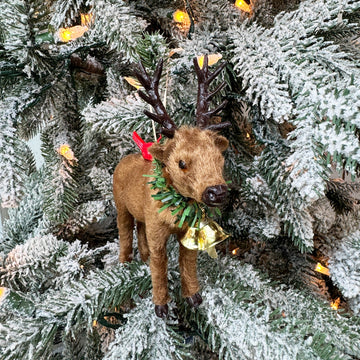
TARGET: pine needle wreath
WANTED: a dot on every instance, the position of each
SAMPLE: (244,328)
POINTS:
(185,209)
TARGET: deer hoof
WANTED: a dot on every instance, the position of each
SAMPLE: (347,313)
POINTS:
(194,300)
(161,311)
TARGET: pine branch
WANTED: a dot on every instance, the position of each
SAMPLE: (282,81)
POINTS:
(33,339)
(116,26)
(147,337)
(87,213)
(25,219)
(79,303)
(81,345)
(38,110)
(341,195)
(236,296)
(312,84)
(45,262)
(218,323)
(115,116)
(65,12)
(344,269)
(70,310)
(288,201)
(317,76)
(341,32)
(150,48)
(61,193)
(21,335)
(21,42)
(14,167)
(10,73)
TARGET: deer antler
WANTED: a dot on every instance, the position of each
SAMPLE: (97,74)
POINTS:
(152,97)
(203,114)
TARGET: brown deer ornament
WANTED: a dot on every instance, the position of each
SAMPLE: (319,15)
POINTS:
(192,164)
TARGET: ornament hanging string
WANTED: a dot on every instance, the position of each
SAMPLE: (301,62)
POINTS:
(192,18)
(153,126)
(164,101)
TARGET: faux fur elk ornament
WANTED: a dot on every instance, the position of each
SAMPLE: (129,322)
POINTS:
(192,163)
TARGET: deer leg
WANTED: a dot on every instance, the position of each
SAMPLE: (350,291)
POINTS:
(142,241)
(189,281)
(157,239)
(125,223)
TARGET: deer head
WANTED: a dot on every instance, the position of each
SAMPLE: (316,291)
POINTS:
(192,156)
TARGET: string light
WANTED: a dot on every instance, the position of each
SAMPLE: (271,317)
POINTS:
(133,82)
(212,59)
(335,304)
(74,32)
(65,151)
(175,51)
(3,293)
(94,323)
(243,5)
(87,19)
(182,20)
(322,269)
(234,252)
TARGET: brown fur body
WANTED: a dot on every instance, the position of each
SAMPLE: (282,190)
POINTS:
(201,150)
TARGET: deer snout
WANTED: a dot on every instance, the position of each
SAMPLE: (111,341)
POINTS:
(215,195)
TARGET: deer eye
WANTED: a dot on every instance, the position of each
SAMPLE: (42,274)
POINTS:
(182,164)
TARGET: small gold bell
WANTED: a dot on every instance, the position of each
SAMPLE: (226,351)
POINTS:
(204,236)
(190,239)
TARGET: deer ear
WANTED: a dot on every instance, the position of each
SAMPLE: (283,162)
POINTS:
(157,151)
(221,142)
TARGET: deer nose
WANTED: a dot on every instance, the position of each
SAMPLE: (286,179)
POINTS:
(214,195)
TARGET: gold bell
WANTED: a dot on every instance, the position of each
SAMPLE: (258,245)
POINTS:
(204,236)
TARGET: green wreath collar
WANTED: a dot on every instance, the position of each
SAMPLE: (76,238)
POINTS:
(185,209)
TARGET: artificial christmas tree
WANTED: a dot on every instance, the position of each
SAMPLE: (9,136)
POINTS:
(293,102)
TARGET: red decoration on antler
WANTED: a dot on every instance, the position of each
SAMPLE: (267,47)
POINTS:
(143,146)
